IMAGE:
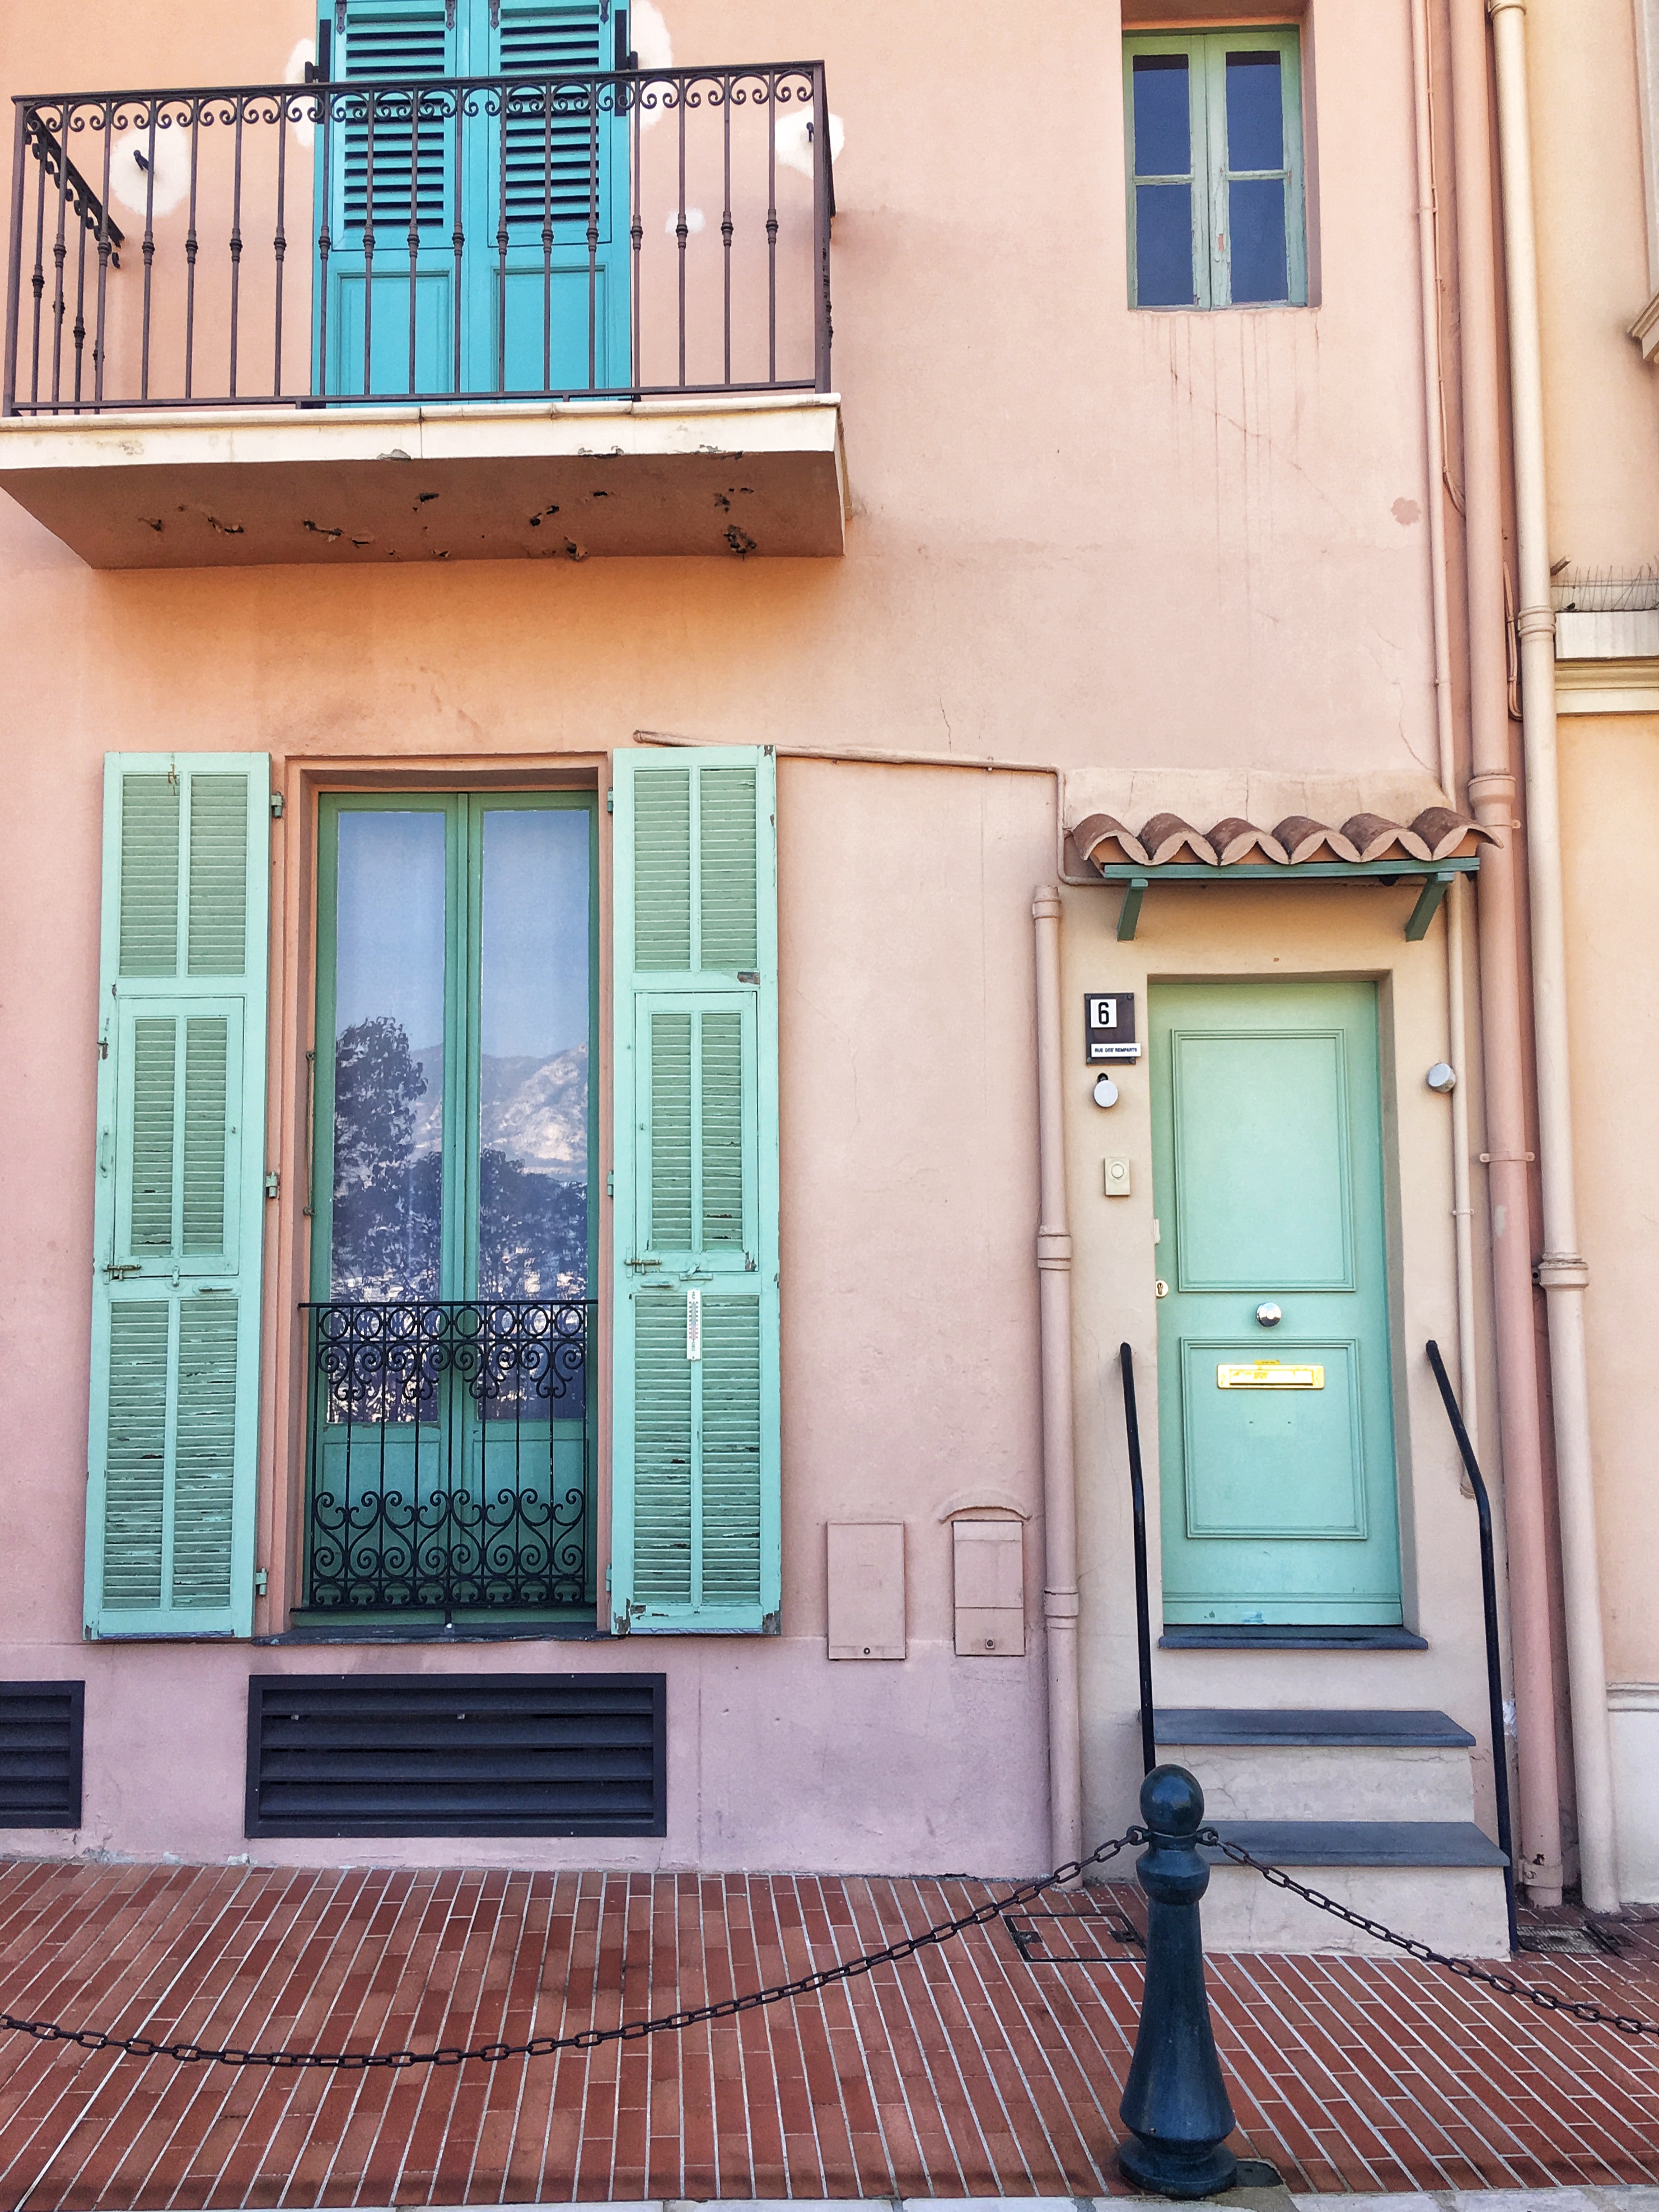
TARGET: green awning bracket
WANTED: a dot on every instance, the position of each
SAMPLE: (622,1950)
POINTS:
(1434,878)
(1435,888)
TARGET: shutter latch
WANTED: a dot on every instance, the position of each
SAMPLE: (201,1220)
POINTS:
(118,1270)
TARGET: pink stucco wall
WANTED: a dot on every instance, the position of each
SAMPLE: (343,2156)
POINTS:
(1079,534)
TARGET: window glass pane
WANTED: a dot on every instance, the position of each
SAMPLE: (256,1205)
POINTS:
(1255,112)
(1257,217)
(534,1021)
(1164,245)
(1162,113)
(388,1056)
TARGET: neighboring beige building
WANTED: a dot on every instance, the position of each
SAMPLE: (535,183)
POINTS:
(732,734)
(1594,79)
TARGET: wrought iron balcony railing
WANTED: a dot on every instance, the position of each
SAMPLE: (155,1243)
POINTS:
(628,235)
(450,1457)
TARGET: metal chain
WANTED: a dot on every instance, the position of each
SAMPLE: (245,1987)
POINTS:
(544,2046)
(1505,1984)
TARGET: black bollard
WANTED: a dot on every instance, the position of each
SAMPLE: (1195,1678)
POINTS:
(1176,2102)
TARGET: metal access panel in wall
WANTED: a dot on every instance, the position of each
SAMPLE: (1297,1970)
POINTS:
(40,1755)
(457,1755)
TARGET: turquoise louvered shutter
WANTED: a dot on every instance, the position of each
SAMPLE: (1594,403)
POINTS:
(695,1459)
(173,1448)
(388,320)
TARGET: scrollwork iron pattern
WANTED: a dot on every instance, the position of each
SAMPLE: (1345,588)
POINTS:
(260,174)
(449,1461)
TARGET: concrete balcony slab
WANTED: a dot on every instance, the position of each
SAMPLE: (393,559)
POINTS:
(353,487)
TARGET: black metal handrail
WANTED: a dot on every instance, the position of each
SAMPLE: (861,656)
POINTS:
(1138,1511)
(449,1459)
(1500,1757)
(526,237)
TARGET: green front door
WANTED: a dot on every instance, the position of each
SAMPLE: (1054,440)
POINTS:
(1275,1427)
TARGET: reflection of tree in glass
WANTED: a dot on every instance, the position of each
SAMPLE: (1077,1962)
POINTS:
(387,1200)
(532,1231)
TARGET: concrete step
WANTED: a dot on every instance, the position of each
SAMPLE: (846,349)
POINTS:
(1318,1764)
(1440,1881)
(1303,1724)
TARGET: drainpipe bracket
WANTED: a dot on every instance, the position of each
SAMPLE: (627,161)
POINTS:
(1533,621)
(1491,794)
(1060,1605)
(1053,1248)
(1560,1271)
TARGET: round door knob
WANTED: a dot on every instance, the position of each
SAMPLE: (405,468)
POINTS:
(1269,1315)
(1160,1288)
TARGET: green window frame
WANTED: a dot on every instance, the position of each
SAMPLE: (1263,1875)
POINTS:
(461,1459)
(1220,170)
(464,814)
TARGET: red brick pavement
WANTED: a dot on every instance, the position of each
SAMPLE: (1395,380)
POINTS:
(964,2072)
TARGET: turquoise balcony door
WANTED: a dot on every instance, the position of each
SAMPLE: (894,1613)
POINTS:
(532,182)
(1276,1449)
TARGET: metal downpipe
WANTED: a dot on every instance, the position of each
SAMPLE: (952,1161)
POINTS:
(1561,1268)
(1491,798)
(1054,1259)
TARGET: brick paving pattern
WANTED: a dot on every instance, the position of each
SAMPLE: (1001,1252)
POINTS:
(965,2072)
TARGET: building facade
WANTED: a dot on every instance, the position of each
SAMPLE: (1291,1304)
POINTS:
(729,775)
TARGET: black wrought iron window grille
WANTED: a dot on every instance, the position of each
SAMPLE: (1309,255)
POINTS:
(449,1457)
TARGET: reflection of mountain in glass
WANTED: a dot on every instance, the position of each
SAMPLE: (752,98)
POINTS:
(532,1183)
(388,1173)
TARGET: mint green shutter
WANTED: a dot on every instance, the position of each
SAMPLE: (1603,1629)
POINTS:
(694,1457)
(178,1219)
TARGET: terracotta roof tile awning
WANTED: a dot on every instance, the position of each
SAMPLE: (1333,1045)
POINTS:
(1437,844)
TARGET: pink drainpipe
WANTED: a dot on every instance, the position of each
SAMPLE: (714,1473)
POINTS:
(1491,795)
(1053,1259)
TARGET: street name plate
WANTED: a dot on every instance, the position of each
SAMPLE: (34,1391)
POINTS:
(1269,1375)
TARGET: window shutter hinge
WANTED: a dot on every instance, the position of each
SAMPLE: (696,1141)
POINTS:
(261,1578)
(611,1184)
(607,1578)
(273,1182)
(276,805)
(610,802)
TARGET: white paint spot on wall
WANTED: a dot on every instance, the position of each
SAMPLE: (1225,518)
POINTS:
(648,36)
(794,138)
(304,54)
(648,33)
(144,176)
(694,221)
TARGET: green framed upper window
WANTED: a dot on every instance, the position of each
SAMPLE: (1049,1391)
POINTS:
(457,982)
(1212,125)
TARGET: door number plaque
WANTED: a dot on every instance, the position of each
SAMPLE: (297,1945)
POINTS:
(1108,1026)
(1269,1375)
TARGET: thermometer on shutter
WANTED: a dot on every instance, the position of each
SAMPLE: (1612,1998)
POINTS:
(694,1324)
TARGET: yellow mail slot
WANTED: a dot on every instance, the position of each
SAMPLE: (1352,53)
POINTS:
(1269,1375)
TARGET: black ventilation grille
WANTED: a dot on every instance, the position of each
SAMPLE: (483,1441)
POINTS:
(456,1755)
(40,1755)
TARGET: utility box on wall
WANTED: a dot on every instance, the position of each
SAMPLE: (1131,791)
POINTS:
(865,1564)
(989,1568)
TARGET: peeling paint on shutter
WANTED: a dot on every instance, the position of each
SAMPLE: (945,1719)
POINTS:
(173,1448)
(695,1504)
